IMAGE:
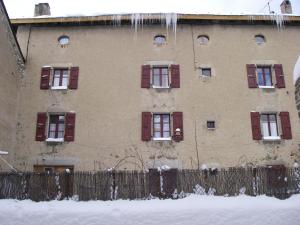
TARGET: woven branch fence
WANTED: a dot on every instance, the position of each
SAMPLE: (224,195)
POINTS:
(112,185)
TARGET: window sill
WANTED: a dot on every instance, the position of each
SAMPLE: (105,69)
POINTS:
(162,139)
(266,87)
(274,138)
(59,88)
(55,140)
(160,87)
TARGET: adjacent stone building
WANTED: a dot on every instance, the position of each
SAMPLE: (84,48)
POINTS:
(125,92)
(11,64)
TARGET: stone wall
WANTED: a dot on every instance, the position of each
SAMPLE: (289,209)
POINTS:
(11,69)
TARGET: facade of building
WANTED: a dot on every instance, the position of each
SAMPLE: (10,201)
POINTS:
(100,93)
(216,93)
(11,64)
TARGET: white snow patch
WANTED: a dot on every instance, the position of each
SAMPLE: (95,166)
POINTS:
(193,210)
(296,165)
(297,70)
(3,153)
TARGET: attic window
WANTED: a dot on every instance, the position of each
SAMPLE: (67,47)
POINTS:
(63,40)
(203,39)
(160,40)
(260,39)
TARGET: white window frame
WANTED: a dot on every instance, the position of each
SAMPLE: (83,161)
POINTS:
(52,77)
(270,137)
(55,140)
(168,76)
(161,124)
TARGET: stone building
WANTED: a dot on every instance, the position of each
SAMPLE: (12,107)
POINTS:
(11,64)
(125,92)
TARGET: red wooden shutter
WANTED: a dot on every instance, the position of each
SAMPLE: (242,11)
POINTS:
(177,123)
(69,127)
(73,81)
(251,74)
(255,123)
(146,74)
(45,78)
(175,76)
(285,125)
(146,126)
(280,83)
(41,126)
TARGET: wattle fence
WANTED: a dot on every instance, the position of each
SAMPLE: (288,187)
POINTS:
(112,185)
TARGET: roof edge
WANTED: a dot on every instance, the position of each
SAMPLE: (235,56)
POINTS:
(128,17)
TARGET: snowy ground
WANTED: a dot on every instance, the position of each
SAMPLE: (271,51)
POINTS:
(193,210)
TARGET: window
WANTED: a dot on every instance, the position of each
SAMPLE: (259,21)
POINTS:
(211,124)
(56,127)
(264,76)
(63,40)
(161,126)
(160,39)
(269,128)
(60,78)
(260,39)
(203,39)
(160,77)
(206,72)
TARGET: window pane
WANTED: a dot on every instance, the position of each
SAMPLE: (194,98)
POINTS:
(61,127)
(166,118)
(157,134)
(260,77)
(157,127)
(52,127)
(156,118)
(60,135)
(56,81)
(268,81)
(51,135)
(156,71)
(164,71)
(264,125)
(156,80)
(206,72)
(166,127)
(165,81)
(166,134)
(65,81)
(273,125)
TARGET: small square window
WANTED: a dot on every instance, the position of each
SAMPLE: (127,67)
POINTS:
(211,124)
(206,72)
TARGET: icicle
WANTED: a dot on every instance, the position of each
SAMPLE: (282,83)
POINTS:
(116,20)
(279,20)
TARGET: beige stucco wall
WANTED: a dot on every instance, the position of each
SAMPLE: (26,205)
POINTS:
(109,99)
(10,72)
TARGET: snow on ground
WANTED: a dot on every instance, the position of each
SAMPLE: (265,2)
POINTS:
(193,210)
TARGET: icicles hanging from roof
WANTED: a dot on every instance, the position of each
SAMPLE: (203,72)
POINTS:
(167,19)
(278,19)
